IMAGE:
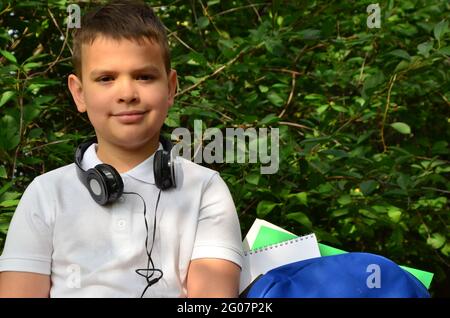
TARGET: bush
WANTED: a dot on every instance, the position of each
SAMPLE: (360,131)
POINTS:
(363,113)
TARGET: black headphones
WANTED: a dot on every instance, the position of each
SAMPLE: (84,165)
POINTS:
(104,182)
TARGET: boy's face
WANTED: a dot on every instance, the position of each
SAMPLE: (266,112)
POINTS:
(125,90)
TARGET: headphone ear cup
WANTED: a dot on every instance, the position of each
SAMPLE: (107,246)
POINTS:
(95,183)
(112,183)
(162,171)
(157,168)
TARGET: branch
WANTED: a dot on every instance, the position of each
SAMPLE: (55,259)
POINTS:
(437,190)
(291,95)
(294,125)
(174,34)
(217,71)
(282,70)
(391,83)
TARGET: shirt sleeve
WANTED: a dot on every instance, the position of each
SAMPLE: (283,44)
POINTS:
(218,232)
(28,246)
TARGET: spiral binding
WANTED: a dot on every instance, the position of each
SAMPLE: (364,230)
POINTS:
(269,247)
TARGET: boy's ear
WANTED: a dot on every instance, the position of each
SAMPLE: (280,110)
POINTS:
(76,89)
(172,82)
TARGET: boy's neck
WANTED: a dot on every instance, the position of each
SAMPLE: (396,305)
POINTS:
(123,159)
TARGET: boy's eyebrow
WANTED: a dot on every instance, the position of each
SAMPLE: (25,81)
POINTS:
(151,68)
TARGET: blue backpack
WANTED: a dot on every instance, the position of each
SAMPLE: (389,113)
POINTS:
(350,275)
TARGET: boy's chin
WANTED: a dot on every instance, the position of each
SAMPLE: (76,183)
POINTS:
(133,143)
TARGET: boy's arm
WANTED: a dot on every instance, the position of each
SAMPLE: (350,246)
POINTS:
(23,284)
(211,277)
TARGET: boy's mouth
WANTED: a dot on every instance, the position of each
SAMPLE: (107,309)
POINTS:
(130,117)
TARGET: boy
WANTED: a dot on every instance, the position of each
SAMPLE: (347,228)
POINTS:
(61,243)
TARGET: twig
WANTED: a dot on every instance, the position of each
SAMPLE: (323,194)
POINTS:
(362,69)
(294,125)
(16,153)
(206,13)
(64,43)
(217,71)
(391,83)
(50,143)
(239,8)
(300,54)
(248,206)
(291,95)
(174,34)
(282,70)
(444,98)
(210,108)
(437,190)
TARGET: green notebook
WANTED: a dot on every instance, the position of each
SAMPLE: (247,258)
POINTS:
(267,236)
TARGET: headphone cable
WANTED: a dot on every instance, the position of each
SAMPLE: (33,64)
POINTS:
(148,272)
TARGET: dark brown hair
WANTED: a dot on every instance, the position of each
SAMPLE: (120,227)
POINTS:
(120,19)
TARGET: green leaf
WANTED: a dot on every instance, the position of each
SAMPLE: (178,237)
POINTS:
(263,89)
(9,56)
(309,34)
(340,109)
(301,197)
(394,214)
(339,212)
(265,207)
(446,250)
(6,96)
(367,187)
(269,119)
(436,240)
(401,66)
(401,53)
(9,133)
(322,108)
(275,99)
(213,2)
(3,172)
(301,218)
(252,178)
(445,50)
(29,66)
(424,48)
(401,128)
(9,203)
(404,181)
(440,29)
(203,22)
(374,80)
(345,199)
(30,112)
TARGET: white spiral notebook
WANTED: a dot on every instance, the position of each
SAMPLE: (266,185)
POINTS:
(260,261)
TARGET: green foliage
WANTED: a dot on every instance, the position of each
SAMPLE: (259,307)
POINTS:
(363,113)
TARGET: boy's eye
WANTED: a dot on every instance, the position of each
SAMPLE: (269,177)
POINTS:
(146,77)
(140,77)
(104,79)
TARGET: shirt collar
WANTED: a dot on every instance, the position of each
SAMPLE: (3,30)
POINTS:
(142,172)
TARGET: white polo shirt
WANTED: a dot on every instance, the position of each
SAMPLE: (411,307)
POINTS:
(93,251)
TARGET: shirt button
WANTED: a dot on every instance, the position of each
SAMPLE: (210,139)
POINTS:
(121,224)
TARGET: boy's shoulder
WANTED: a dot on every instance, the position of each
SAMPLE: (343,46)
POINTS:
(55,179)
(194,171)
(66,172)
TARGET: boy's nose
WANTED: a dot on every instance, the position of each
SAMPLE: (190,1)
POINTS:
(128,92)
